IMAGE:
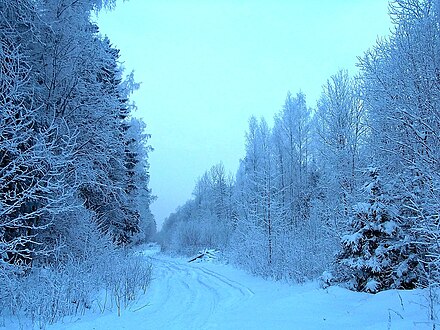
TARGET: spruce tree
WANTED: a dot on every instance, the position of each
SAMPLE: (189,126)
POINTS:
(377,253)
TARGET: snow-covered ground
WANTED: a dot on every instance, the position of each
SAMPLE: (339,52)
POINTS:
(208,295)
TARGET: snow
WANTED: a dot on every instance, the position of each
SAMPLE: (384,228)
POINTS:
(372,286)
(210,295)
(390,227)
(352,240)
(361,208)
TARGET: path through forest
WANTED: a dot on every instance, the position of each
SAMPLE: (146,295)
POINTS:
(216,296)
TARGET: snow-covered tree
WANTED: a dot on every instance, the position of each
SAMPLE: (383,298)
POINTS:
(34,159)
(292,136)
(340,129)
(274,232)
(138,194)
(257,205)
(378,253)
(402,98)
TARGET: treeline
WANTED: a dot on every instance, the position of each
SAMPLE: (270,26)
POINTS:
(350,186)
(73,162)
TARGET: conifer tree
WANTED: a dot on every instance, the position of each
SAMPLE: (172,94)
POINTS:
(377,253)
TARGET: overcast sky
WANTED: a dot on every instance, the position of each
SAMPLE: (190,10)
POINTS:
(206,66)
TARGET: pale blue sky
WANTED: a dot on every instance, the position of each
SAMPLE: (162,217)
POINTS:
(206,66)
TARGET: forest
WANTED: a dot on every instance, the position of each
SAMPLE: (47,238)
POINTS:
(345,192)
(74,174)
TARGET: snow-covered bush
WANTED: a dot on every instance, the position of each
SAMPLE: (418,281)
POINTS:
(191,229)
(296,255)
(301,255)
(47,295)
(124,279)
(95,276)
(326,279)
(247,253)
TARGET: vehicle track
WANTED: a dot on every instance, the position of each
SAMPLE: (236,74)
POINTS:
(186,296)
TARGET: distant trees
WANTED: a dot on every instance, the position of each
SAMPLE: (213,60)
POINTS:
(205,220)
(270,227)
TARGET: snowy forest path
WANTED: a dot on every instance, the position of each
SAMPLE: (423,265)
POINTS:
(210,295)
(193,294)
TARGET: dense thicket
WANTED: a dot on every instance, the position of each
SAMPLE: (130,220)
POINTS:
(73,162)
(351,186)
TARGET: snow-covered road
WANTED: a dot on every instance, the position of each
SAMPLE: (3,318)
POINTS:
(216,296)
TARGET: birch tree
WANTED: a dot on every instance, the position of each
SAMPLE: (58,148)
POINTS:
(341,130)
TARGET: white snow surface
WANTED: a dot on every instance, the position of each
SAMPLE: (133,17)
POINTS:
(217,296)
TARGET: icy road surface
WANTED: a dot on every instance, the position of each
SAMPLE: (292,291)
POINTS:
(215,296)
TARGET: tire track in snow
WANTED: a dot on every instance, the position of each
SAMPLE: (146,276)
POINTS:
(245,291)
(185,295)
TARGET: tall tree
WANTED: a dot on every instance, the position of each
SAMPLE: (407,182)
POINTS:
(293,133)
(34,159)
(341,129)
